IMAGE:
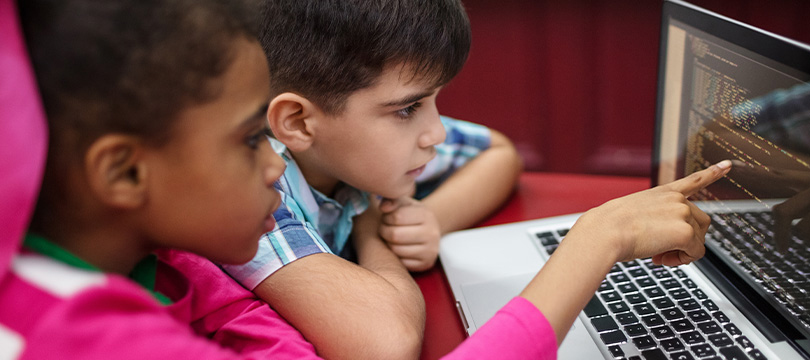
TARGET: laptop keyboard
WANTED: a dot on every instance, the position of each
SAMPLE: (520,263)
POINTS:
(784,275)
(647,311)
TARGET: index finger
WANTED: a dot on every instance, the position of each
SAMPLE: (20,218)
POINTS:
(701,179)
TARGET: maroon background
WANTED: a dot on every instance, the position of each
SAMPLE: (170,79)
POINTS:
(572,82)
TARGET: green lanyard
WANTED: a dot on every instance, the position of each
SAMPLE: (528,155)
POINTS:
(143,273)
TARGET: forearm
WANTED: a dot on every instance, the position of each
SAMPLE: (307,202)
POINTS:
(347,311)
(579,265)
(478,188)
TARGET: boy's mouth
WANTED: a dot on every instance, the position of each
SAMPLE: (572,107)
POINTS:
(416,172)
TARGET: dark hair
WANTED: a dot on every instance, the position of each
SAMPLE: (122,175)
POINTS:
(130,67)
(327,49)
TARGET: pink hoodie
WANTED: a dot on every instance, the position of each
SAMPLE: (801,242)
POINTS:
(51,310)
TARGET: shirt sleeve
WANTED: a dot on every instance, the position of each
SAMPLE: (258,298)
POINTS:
(121,321)
(291,239)
(518,331)
(464,141)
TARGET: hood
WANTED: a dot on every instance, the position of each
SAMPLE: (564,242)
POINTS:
(23,136)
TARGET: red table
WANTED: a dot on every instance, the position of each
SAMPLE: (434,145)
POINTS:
(537,195)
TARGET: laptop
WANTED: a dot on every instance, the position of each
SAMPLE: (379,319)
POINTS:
(725,90)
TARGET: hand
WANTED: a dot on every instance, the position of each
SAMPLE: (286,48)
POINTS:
(659,222)
(411,231)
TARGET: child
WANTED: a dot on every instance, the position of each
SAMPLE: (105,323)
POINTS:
(354,116)
(156,113)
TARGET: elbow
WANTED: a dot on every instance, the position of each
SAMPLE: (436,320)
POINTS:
(403,344)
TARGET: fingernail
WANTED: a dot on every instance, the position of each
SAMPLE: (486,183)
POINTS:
(725,164)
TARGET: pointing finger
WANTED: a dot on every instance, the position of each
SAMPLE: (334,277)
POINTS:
(701,179)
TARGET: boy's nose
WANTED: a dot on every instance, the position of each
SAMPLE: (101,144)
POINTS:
(435,134)
(274,169)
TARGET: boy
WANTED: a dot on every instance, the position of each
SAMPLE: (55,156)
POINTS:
(155,111)
(354,86)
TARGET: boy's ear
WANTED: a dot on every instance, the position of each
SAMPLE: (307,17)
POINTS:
(292,119)
(115,171)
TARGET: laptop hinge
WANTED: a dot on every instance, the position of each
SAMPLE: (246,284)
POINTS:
(463,318)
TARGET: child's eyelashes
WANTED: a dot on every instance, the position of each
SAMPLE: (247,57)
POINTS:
(256,139)
(408,111)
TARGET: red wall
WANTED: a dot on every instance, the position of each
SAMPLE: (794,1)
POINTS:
(572,82)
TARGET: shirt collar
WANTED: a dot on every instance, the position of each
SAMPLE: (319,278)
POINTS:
(144,272)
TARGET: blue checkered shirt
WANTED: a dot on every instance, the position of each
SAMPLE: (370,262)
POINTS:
(308,222)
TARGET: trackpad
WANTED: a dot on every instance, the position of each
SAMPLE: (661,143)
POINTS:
(484,299)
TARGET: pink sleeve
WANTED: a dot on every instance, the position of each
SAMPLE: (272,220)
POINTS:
(517,331)
(228,314)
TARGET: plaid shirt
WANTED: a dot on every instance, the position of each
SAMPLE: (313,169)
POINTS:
(308,222)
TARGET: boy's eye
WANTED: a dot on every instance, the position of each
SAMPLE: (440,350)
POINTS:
(256,139)
(408,111)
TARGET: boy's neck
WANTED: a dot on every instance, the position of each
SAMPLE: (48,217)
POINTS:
(109,251)
(325,184)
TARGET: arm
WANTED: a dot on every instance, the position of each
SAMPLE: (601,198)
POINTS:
(658,222)
(491,176)
(371,310)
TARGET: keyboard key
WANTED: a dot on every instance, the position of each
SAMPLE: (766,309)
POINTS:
(653,320)
(756,355)
(710,305)
(693,338)
(605,286)
(635,298)
(702,350)
(682,325)
(662,332)
(671,345)
(661,273)
(721,317)
(619,277)
(709,327)
(618,307)
(663,303)
(680,274)
(670,284)
(644,342)
(645,282)
(626,318)
(604,323)
(635,330)
(654,292)
(672,314)
(745,343)
(733,330)
(595,308)
(610,296)
(689,283)
(678,294)
(720,340)
(688,304)
(637,272)
(616,351)
(626,287)
(613,337)
(547,238)
(698,316)
(682,355)
(643,309)
(699,294)
(733,353)
(654,354)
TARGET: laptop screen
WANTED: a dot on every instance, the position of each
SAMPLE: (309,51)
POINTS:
(731,91)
